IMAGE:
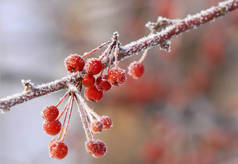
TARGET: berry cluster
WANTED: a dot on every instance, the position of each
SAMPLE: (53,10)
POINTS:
(52,126)
(95,81)
(94,86)
(92,123)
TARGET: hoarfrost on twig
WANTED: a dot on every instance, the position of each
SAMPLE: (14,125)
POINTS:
(161,38)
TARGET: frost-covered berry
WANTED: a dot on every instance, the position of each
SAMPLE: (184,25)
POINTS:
(88,80)
(116,76)
(93,94)
(96,147)
(106,121)
(57,149)
(103,84)
(50,113)
(74,63)
(136,70)
(96,126)
(93,66)
(52,127)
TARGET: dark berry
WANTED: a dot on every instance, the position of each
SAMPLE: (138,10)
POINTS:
(74,63)
(50,113)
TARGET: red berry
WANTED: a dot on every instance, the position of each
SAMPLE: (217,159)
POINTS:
(57,149)
(93,94)
(93,66)
(50,113)
(116,76)
(96,126)
(52,127)
(96,147)
(74,63)
(88,80)
(106,121)
(103,84)
(136,70)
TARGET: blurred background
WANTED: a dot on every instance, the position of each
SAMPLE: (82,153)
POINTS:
(184,110)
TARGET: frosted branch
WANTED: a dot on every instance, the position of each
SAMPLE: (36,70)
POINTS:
(164,30)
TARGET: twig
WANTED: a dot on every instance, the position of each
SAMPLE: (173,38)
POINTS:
(174,28)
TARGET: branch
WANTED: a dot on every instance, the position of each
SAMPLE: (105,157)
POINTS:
(168,30)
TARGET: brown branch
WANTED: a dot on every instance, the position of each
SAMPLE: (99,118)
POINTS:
(172,29)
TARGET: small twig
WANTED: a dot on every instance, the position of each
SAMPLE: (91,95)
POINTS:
(28,85)
(160,24)
(95,49)
(80,105)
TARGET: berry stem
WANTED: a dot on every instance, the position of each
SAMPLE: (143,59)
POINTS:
(143,56)
(90,111)
(105,53)
(108,50)
(71,108)
(62,99)
(116,52)
(110,60)
(66,114)
(90,117)
(95,49)
(80,105)
(65,108)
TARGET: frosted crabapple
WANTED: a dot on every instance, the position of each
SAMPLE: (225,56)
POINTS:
(52,127)
(74,63)
(116,76)
(93,94)
(96,126)
(103,84)
(136,69)
(57,149)
(93,66)
(50,113)
(88,80)
(96,147)
(106,121)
